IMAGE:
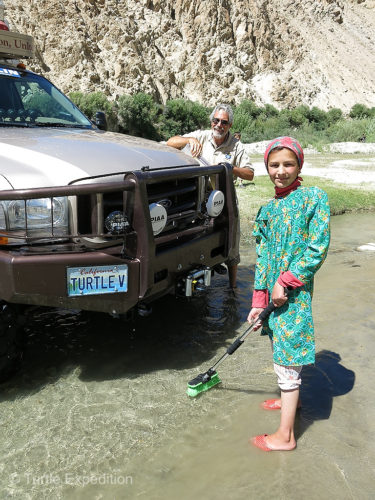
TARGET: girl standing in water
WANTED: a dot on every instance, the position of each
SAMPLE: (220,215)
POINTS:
(292,239)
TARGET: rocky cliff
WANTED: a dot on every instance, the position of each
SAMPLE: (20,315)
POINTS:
(283,52)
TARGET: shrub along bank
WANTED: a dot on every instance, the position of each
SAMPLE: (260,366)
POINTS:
(142,116)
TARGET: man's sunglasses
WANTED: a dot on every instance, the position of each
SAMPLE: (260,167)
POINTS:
(217,120)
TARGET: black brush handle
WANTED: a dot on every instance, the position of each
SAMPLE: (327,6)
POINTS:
(266,312)
(233,347)
(262,316)
(238,342)
(270,308)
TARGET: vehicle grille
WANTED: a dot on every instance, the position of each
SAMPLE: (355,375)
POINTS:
(180,197)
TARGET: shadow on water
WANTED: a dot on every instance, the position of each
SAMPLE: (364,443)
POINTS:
(320,384)
(179,334)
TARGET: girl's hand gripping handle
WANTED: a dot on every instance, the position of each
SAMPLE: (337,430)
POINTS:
(266,312)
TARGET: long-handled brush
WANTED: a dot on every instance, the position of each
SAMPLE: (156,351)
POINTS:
(204,381)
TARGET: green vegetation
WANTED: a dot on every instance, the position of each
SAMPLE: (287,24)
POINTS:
(138,115)
(90,103)
(309,125)
(181,117)
(341,198)
(141,115)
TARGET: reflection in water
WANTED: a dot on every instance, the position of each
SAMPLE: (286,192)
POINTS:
(98,396)
(179,334)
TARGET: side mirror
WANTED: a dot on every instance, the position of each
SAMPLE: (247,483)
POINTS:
(101,120)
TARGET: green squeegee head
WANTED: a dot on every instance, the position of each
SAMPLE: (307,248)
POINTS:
(202,382)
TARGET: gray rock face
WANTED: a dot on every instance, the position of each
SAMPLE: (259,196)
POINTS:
(281,52)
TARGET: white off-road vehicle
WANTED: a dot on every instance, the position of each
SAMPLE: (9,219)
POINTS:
(95,220)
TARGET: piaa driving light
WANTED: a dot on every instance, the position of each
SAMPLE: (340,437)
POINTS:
(116,222)
(215,203)
(158,217)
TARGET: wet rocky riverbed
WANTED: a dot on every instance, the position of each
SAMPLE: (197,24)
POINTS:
(99,409)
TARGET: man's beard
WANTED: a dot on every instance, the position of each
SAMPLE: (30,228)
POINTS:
(217,134)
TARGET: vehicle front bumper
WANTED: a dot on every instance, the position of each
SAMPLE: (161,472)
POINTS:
(156,265)
(42,279)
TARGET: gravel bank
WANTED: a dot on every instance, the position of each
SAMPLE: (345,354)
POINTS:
(349,163)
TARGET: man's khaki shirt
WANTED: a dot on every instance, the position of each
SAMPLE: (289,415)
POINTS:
(231,151)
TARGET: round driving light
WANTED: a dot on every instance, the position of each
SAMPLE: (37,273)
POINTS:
(215,203)
(116,222)
(158,217)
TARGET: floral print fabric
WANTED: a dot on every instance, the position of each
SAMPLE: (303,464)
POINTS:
(292,234)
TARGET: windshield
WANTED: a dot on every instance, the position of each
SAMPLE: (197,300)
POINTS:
(30,100)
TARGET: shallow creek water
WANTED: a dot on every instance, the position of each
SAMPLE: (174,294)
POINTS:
(99,410)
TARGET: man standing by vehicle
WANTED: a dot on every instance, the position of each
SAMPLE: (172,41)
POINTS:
(219,145)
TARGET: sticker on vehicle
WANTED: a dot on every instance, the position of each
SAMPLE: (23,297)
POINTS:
(9,72)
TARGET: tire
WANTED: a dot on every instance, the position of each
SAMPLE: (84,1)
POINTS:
(11,340)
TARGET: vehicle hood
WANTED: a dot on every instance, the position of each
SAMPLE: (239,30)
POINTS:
(36,157)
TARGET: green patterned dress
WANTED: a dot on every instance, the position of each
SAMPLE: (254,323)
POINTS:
(292,234)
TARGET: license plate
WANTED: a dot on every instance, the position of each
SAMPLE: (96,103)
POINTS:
(97,280)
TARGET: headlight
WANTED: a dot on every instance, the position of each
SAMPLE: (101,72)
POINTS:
(43,217)
(39,213)
(3,220)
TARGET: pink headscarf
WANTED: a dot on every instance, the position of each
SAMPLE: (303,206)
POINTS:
(285,142)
